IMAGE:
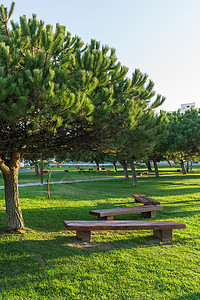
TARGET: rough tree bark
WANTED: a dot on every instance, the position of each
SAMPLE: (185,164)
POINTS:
(133,173)
(124,166)
(156,168)
(10,170)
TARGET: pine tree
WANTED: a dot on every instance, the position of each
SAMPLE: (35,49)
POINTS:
(183,142)
(39,104)
(135,127)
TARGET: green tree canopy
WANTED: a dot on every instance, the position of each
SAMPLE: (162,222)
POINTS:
(183,142)
(57,94)
(44,96)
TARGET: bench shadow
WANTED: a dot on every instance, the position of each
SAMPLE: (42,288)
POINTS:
(130,241)
(69,245)
(51,220)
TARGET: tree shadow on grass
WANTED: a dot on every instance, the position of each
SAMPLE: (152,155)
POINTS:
(116,188)
(50,249)
(37,263)
(193,296)
(51,219)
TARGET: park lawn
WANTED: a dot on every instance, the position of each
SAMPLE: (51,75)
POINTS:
(60,175)
(47,262)
(27,176)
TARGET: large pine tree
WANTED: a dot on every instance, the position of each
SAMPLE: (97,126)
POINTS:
(58,94)
(36,97)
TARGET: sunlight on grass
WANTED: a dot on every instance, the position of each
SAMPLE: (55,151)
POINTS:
(47,262)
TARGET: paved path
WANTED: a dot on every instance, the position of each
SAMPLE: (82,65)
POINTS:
(63,181)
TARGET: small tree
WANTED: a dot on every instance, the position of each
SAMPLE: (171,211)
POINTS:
(160,141)
(138,144)
(183,143)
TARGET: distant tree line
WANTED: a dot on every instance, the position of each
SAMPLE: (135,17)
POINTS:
(165,137)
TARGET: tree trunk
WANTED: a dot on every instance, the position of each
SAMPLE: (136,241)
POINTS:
(170,163)
(97,164)
(133,173)
(36,169)
(156,168)
(148,164)
(41,171)
(115,167)
(188,166)
(41,174)
(183,167)
(124,166)
(13,211)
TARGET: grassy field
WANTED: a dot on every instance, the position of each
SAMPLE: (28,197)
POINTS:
(57,174)
(47,262)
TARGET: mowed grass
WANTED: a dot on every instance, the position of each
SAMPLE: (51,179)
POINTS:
(58,174)
(47,262)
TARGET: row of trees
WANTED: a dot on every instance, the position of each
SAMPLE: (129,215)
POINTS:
(167,137)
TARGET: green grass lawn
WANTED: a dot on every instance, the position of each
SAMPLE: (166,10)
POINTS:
(73,174)
(47,262)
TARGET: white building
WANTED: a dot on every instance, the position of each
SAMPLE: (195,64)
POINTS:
(187,106)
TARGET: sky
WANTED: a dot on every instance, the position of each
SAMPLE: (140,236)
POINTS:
(159,37)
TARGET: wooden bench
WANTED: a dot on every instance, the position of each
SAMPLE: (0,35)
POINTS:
(161,229)
(140,198)
(147,211)
(84,171)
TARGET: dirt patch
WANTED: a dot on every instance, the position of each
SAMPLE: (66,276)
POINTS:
(91,245)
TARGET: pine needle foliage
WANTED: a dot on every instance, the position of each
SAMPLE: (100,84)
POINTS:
(58,94)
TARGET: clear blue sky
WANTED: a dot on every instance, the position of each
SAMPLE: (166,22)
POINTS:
(160,37)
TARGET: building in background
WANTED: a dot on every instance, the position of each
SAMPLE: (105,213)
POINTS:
(187,106)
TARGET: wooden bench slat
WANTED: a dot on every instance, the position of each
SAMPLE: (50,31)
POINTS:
(144,199)
(122,225)
(124,210)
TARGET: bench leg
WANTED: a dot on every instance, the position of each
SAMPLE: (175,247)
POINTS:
(83,235)
(149,214)
(163,235)
(110,218)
